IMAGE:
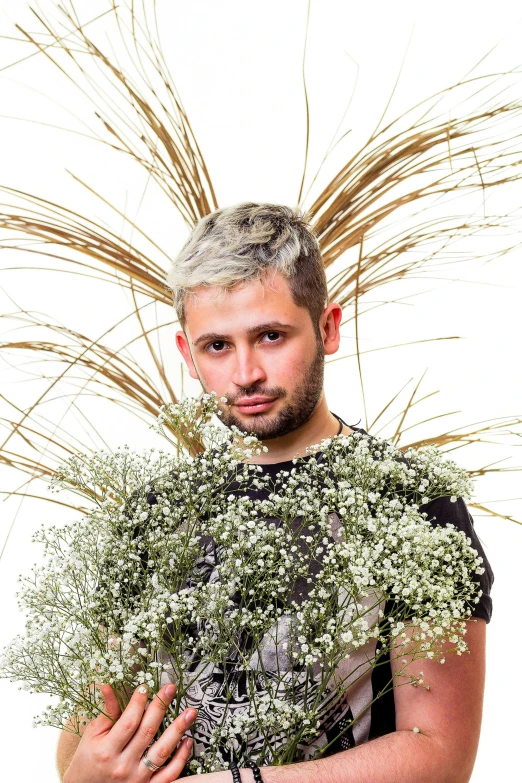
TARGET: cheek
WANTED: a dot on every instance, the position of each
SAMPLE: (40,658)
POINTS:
(298,361)
(215,376)
(290,368)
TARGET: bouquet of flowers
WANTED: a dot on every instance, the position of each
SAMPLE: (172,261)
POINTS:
(264,607)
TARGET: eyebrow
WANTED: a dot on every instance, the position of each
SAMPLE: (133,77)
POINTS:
(215,337)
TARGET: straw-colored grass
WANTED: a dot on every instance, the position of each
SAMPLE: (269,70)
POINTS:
(390,213)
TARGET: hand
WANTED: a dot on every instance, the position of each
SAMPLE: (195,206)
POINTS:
(111,750)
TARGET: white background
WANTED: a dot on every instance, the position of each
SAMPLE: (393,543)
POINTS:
(237,66)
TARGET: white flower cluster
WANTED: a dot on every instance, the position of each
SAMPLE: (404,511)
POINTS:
(265,715)
(177,572)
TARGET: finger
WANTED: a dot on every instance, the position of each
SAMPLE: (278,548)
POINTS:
(162,749)
(124,729)
(174,768)
(151,722)
(111,708)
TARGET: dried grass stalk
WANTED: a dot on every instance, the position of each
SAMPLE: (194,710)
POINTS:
(387,215)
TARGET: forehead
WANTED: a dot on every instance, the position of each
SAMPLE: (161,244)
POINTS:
(240,308)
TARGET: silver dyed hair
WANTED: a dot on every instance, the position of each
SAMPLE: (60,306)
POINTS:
(242,242)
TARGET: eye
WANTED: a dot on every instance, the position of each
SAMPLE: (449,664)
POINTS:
(216,347)
(272,337)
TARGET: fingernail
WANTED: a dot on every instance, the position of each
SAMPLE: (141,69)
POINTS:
(170,690)
(190,716)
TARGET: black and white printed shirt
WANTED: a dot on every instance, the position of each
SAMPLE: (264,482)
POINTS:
(218,688)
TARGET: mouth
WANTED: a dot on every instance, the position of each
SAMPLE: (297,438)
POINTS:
(255,404)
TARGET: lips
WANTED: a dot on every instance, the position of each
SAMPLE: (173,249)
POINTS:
(255,404)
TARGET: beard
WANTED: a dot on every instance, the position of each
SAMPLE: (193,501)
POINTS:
(295,412)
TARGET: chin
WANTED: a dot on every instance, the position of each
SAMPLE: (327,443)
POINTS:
(269,427)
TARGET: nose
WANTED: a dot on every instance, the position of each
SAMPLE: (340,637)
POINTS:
(248,369)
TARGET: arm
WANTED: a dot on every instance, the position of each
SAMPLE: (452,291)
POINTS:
(448,716)
(67,744)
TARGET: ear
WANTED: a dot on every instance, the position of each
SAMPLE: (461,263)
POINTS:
(184,348)
(330,326)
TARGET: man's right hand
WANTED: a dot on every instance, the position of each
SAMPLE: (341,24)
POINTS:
(112,747)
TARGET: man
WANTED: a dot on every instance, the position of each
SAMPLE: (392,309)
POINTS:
(250,293)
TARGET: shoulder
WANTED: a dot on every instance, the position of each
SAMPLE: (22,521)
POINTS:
(444,511)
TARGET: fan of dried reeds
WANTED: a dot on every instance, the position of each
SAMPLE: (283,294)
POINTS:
(389,214)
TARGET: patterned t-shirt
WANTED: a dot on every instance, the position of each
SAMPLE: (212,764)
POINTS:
(346,717)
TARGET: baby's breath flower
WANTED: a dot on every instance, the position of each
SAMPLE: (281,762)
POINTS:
(175,566)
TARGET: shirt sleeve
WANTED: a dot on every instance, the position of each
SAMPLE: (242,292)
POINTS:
(442,511)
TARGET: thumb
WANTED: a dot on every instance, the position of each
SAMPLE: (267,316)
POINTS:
(110,710)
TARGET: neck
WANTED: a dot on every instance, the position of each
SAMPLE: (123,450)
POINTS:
(321,424)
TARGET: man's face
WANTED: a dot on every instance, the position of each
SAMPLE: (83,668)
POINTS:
(256,347)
